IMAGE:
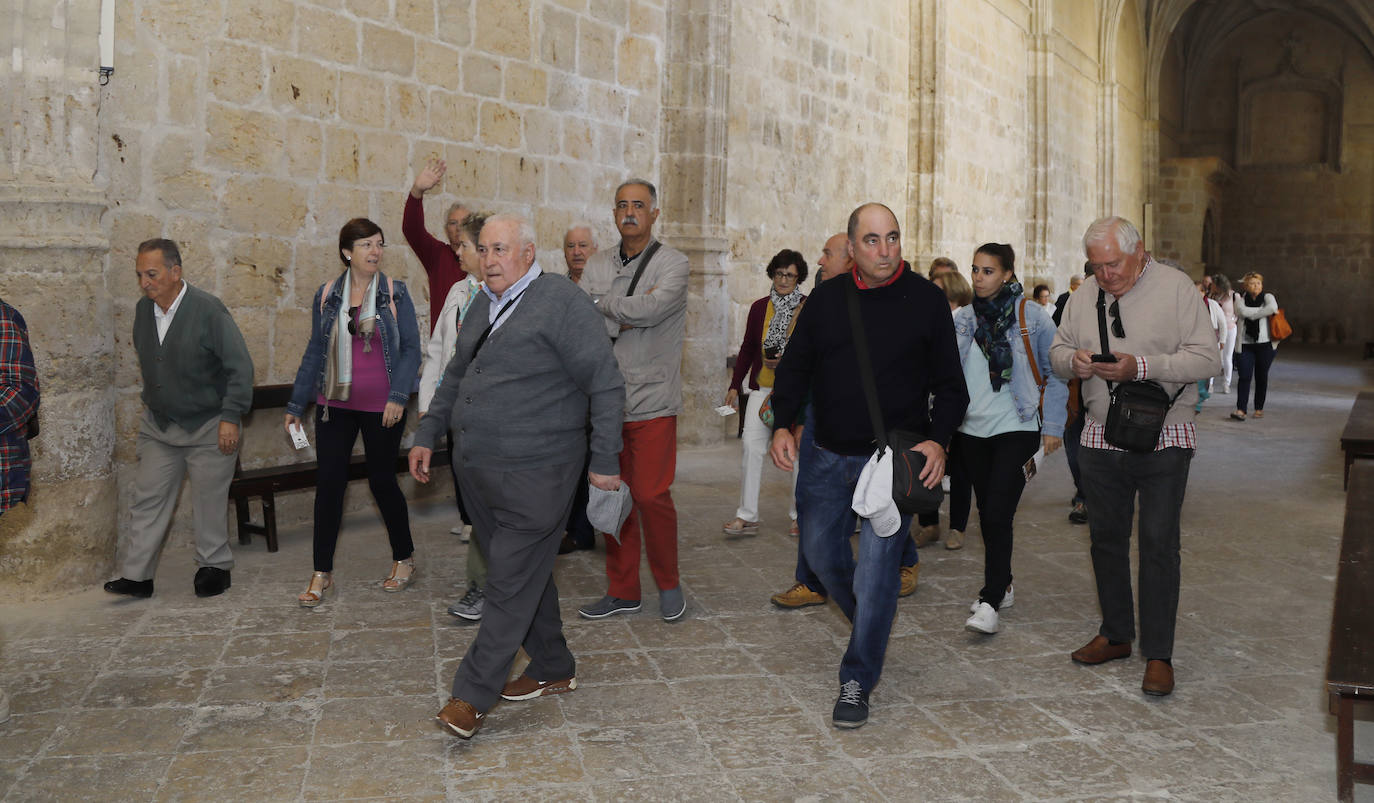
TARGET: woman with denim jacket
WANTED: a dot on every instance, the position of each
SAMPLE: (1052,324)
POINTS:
(1003,427)
(359,368)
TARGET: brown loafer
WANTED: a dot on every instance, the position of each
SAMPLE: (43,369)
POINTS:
(1100,650)
(1159,678)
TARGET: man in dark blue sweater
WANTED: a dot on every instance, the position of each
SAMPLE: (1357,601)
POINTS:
(915,359)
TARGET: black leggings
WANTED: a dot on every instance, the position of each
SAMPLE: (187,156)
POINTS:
(994,467)
(1254,360)
(334,448)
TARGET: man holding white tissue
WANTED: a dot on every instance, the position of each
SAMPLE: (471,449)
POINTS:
(915,362)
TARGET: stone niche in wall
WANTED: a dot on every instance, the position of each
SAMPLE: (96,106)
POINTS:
(1289,120)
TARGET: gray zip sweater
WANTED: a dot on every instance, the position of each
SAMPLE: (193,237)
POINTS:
(201,370)
(524,402)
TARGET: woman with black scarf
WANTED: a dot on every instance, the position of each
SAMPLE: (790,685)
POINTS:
(1002,428)
(1254,348)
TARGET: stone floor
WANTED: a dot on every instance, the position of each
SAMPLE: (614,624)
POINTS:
(249,697)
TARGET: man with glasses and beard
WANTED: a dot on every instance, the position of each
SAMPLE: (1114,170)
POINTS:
(1159,332)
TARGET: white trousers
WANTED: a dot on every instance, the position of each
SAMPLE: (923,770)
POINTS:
(757,438)
(1226,353)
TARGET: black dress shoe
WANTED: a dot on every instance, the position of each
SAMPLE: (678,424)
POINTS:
(211,581)
(133,588)
(566,545)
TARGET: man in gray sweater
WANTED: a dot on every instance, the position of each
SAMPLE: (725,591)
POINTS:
(197,383)
(531,363)
(1159,331)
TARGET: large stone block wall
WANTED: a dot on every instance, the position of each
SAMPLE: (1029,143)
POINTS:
(817,125)
(983,183)
(249,131)
(1075,137)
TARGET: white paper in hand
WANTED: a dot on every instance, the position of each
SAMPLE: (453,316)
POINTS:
(1032,466)
(725,410)
(873,495)
(298,438)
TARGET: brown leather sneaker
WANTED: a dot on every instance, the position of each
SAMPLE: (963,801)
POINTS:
(798,596)
(927,535)
(1159,678)
(460,717)
(1100,650)
(527,688)
(910,574)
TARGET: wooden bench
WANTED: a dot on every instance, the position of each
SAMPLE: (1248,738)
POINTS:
(1350,660)
(1357,440)
(264,483)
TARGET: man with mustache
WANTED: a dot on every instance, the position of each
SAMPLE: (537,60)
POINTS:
(640,287)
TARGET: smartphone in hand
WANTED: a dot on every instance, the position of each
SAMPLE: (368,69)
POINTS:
(1104,358)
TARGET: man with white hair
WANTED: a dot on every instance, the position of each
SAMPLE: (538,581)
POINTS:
(1158,333)
(531,367)
(640,288)
(579,243)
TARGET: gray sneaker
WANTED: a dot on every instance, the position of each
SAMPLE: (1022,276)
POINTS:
(470,606)
(608,606)
(672,604)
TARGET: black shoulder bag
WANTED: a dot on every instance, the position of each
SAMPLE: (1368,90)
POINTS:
(1135,417)
(911,497)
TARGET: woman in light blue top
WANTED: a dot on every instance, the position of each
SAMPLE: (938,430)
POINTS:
(1003,429)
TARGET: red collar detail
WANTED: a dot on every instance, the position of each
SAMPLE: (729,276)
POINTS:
(859,282)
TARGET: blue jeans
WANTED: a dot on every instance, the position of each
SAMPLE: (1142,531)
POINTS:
(866,590)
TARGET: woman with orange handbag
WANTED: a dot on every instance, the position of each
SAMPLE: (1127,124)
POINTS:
(1255,344)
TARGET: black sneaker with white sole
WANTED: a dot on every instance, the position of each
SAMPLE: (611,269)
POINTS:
(851,710)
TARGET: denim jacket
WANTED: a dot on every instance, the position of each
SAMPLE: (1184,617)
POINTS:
(399,335)
(1024,392)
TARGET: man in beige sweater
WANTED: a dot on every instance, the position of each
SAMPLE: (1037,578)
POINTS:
(1155,330)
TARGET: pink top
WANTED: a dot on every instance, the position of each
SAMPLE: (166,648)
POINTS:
(370,382)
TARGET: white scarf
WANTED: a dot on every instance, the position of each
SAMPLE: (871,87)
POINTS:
(342,376)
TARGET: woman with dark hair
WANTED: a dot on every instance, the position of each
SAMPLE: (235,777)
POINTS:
(1226,298)
(1042,296)
(1008,385)
(358,368)
(1254,347)
(770,323)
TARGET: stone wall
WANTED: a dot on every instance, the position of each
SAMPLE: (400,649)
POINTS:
(1190,188)
(250,131)
(817,125)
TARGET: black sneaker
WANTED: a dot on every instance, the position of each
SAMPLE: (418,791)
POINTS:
(851,710)
(1079,514)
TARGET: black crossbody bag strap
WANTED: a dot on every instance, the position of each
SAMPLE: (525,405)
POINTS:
(643,263)
(875,412)
(487,332)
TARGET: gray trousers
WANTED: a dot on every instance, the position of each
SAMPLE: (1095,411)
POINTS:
(164,458)
(518,518)
(1111,481)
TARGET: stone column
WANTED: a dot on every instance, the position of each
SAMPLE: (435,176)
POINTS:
(1036,259)
(923,230)
(52,268)
(693,169)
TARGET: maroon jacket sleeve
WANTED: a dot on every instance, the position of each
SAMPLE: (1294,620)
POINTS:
(750,355)
(425,245)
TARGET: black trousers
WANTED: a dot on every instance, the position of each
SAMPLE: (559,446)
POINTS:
(994,466)
(1253,360)
(334,448)
(1112,480)
(518,518)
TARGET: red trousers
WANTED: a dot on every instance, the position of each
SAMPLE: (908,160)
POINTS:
(648,462)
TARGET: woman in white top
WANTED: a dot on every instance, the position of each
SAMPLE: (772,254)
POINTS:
(1254,347)
(1222,294)
(438,353)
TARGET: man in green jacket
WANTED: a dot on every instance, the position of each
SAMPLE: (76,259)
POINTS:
(197,383)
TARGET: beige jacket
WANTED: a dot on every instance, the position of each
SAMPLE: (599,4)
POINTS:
(647,327)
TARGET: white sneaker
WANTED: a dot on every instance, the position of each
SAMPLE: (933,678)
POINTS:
(463,531)
(983,620)
(1008,599)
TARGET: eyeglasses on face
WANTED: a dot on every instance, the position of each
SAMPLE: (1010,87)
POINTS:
(785,276)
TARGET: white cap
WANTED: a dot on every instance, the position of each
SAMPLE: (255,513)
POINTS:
(873,495)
